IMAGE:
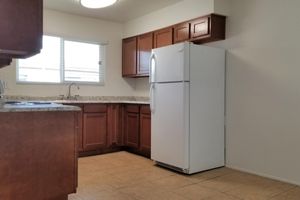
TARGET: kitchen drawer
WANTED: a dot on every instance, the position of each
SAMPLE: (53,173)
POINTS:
(145,109)
(95,108)
(132,108)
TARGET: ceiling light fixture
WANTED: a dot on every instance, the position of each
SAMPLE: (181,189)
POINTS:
(97,3)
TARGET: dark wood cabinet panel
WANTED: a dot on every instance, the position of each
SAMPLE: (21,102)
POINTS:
(136,55)
(95,108)
(129,56)
(80,131)
(5,61)
(145,45)
(200,27)
(104,128)
(94,131)
(114,125)
(137,50)
(38,155)
(181,32)
(131,125)
(21,25)
(208,29)
(163,37)
(132,108)
(137,125)
(145,130)
(79,126)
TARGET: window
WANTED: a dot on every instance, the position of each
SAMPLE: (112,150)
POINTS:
(62,61)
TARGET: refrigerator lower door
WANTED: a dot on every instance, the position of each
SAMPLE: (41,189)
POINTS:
(169,124)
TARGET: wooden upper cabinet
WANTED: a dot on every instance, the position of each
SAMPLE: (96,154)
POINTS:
(5,61)
(21,25)
(208,28)
(182,32)
(129,56)
(163,37)
(137,50)
(145,45)
(200,27)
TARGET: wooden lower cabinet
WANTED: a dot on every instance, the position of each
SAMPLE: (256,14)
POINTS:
(104,128)
(137,124)
(115,125)
(94,127)
(145,130)
(38,155)
(131,124)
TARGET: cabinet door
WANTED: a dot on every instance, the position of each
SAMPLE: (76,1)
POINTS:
(145,130)
(114,125)
(145,45)
(132,129)
(200,28)
(94,131)
(21,25)
(182,32)
(129,56)
(163,37)
(208,29)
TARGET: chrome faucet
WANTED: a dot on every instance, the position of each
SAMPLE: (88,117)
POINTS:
(69,96)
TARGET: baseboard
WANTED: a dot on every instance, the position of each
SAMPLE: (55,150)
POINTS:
(264,175)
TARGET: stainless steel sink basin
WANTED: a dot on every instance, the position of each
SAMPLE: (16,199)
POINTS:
(40,102)
(27,103)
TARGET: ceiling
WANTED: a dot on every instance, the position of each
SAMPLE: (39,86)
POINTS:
(122,11)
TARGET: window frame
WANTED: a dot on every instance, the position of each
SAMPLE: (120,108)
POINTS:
(102,54)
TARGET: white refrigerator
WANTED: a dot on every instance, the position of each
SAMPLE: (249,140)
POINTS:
(187,84)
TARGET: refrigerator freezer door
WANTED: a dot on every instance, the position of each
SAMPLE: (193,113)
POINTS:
(171,63)
(169,124)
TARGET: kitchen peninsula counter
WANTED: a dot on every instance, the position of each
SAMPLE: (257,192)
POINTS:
(31,107)
(38,149)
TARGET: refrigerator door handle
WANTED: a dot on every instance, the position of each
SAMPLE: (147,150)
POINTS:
(152,98)
(152,68)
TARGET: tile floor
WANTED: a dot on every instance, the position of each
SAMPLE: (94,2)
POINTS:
(125,176)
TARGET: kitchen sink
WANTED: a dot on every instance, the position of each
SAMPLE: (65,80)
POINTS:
(27,103)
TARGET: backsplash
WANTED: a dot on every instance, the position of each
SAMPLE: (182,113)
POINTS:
(79,98)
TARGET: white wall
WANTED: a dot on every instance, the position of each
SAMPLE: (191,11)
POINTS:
(263,69)
(181,11)
(88,29)
(263,95)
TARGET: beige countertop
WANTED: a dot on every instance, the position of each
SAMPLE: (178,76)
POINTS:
(33,104)
(100,101)
(32,107)
(83,99)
